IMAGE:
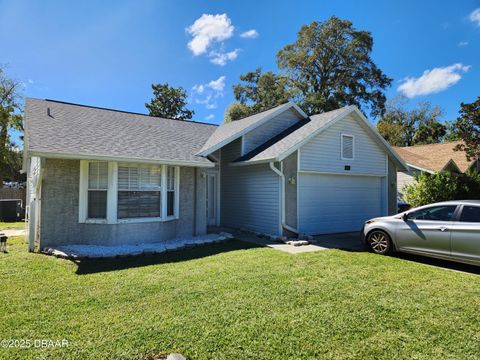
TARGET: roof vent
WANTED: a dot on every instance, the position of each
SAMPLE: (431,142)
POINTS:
(48,112)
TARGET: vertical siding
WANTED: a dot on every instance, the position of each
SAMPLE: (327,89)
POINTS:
(270,129)
(249,194)
(323,153)
(290,172)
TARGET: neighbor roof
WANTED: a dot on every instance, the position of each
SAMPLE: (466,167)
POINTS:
(229,132)
(58,129)
(434,157)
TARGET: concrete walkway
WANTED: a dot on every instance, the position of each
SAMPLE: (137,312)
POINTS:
(12,232)
(345,241)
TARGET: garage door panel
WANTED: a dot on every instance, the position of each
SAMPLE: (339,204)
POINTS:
(337,203)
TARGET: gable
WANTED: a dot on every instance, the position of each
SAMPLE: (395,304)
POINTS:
(269,130)
(323,153)
(226,133)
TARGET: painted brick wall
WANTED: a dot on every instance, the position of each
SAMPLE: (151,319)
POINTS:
(59,212)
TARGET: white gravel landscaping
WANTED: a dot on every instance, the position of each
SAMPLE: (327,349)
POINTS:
(98,251)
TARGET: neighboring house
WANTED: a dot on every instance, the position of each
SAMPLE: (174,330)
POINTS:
(101,176)
(432,158)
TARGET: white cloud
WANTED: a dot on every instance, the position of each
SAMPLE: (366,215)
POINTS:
(432,81)
(208,94)
(475,16)
(30,81)
(250,34)
(217,85)
(463,43)
(208,29)
(221,58)
(199,89)
(209,117)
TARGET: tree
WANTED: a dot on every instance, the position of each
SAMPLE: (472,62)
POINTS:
(467,127)
(237,111)
(442,186)
(10,119)
(169,102)
(406,127)
(330,65)
(258,92)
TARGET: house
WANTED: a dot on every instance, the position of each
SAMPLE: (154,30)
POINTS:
(102,176)
(432,158)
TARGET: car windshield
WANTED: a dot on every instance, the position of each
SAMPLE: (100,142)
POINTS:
(435,213)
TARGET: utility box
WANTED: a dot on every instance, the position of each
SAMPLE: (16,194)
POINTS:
(11,210)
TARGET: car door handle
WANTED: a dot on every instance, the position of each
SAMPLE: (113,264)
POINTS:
(443,228)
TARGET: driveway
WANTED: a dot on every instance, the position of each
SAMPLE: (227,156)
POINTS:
(351,241)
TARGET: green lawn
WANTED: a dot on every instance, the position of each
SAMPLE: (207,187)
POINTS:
(235,301)
(12,225)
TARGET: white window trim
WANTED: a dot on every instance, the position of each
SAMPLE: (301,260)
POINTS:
(341,146)
(112,196)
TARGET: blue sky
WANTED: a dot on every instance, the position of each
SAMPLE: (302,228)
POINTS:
(107,53)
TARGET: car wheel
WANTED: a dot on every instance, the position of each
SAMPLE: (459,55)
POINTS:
(380,242)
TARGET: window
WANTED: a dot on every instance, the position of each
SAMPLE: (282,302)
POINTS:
(139,191)
(470,214)
(348,143)
(97,190)
(112,192)
(434,213)
(171,191)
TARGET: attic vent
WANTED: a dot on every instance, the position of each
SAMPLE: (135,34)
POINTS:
(347,147)
(49,113)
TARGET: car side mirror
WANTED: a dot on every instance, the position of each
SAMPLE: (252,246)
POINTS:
(405,217)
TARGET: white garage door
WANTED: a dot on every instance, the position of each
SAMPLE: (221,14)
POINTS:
(337,203)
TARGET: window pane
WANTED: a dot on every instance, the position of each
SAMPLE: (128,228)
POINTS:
(347,147)
(170,178)
(98,175)
(97,204)
(435,213)
(170,203)
(139,178)
(138,204)
(470,214)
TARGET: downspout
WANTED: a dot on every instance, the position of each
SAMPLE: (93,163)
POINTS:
(195,202)
(282,208)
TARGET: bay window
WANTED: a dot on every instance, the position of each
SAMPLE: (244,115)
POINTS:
(112,192)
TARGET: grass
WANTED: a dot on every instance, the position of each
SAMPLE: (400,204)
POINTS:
(12,225)
(235,301)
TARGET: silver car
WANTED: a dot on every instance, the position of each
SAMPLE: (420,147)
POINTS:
(447,230)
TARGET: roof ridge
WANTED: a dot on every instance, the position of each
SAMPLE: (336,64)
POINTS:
(257,112)
(424,145)
(124,111)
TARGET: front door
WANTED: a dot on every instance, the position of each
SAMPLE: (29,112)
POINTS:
(212,198)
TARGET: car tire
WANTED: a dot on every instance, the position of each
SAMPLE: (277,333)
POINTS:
(379,242)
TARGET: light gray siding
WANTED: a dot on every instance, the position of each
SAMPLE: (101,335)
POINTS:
(337,203)
(404,179)
(250,195)
(268,130)
(323,152)
(59,211)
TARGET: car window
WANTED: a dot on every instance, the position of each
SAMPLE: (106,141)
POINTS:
(470,214)
(434,213)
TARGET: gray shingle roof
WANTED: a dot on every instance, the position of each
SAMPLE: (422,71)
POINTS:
(226,133)
(88,131)
(283,145)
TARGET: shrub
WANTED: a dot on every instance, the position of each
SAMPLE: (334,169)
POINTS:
(442,186)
